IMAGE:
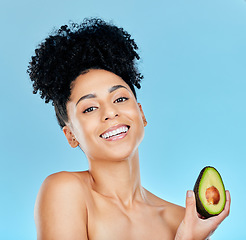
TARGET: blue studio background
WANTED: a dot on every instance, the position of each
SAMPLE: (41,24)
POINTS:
(193,94)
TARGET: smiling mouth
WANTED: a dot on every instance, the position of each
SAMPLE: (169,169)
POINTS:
(118,132)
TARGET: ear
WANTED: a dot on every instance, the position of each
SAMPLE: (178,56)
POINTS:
(70,137)
(143,116)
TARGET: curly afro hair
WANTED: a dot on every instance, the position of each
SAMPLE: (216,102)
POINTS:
(73,49)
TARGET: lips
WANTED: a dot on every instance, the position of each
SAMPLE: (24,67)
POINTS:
(116,132)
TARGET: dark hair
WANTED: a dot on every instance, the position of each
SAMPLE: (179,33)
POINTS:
(73,49)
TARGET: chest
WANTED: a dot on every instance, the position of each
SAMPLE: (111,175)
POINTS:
(106,221)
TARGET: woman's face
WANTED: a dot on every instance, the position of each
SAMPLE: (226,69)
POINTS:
(104,116)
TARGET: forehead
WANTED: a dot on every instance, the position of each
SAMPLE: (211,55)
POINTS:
(95,80)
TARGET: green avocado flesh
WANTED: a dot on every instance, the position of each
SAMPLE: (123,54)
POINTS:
(210,192)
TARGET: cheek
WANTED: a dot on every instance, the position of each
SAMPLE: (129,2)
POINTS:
(135,115)
(138,115)
(83,131)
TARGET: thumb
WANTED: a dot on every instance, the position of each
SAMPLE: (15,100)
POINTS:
(190,211)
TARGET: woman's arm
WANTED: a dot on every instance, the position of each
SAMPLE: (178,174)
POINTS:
(193,227)
(60,211)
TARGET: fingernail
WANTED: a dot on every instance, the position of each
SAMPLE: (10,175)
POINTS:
(189,193)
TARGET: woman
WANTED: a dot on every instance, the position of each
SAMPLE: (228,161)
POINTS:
(89,73)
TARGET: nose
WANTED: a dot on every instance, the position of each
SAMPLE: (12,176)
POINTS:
(107,118)
(110,113)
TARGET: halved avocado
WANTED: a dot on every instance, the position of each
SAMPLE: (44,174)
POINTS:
(209,192)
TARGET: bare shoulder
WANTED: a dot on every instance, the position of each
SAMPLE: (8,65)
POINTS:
(171,213)
(60,209)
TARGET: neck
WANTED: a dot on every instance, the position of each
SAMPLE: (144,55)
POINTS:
(119,180)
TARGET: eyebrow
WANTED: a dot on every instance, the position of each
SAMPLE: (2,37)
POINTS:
(88,96)
(116,87)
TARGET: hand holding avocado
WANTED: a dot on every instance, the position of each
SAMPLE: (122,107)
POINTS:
(206,207)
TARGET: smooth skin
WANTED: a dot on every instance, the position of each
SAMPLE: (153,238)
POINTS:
(107,202)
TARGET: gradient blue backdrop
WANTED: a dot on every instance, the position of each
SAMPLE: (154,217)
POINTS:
(193,94)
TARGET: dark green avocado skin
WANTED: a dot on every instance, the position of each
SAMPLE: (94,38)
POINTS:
(199,206)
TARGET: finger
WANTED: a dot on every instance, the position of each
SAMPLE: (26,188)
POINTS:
(228,203)
(226,210)
(190,211)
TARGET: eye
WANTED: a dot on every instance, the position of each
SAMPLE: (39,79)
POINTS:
(121,99)
(90,109)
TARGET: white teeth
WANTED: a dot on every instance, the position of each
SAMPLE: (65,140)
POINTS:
(115,132)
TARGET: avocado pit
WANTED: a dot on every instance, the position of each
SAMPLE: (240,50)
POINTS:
(212,195)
